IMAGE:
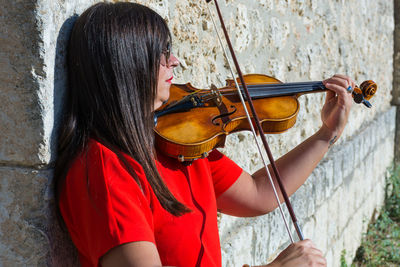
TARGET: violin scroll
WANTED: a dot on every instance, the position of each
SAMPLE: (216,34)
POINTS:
(368,89)
(362,94)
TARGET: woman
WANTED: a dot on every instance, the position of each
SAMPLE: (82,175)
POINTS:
(123,203)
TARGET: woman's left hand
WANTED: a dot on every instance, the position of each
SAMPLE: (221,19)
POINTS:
(336,109)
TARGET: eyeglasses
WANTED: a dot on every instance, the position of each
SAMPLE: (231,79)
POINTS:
(166,56)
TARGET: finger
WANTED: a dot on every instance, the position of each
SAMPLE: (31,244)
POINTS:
(315,255)
(344,77)
(338,89)
(301,253)
(319,258)
(329,95)
(343,80)
(343,98)
(316,252)
(343,93)
(350,85)
(308,252)
(341,76)
(305,243)
(339,80)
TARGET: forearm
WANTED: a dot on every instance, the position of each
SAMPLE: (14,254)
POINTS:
(294,167)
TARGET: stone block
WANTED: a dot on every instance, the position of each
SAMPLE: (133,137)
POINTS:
(301,201)
(319,182)
(308,228)
(345,209)
(316,233)
(352,235)
(322,220)
(356,187)
(311,197)
(357,143)
(329,176)
(362,148)
(22,67)
(348,163)
(370,136)
(262,229)
(278,233)
(226,224)
(240,242)
(337,249)
(338,168)
(329,257)
(29,234)
(333,213)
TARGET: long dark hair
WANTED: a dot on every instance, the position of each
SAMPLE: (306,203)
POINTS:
(113,63)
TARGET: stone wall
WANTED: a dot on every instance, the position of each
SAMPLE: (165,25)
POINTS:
(290,40)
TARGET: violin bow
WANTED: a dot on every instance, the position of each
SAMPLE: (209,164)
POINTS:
(259,129)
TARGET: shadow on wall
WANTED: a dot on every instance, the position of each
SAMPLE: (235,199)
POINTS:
(62,251)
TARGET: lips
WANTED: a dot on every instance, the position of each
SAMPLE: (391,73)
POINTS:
(170,79)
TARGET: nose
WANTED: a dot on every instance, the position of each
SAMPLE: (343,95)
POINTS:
(173,61)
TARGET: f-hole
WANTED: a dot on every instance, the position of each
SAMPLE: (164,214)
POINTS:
(224,116)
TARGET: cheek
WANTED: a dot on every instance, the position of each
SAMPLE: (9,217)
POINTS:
(162,95)
(162,72)
(162,86)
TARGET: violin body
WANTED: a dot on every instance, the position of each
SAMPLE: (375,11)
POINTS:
(195,121)
(192,134)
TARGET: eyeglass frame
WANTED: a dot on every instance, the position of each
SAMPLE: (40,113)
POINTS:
(166,52)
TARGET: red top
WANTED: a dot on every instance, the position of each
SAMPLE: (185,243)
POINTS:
(103,206)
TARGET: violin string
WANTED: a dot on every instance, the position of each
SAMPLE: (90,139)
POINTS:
(265,94)
(307,85)
(269,90)
(205,97)
(287,85)
(277,90)
(293,89)
(311,86)
(252,130)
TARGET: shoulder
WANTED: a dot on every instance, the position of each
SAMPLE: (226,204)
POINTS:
(98,179)
(96,151)
(217,159)
(99,157)
(99,166)
(224,171)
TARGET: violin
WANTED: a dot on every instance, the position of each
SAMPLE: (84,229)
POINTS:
(195,121)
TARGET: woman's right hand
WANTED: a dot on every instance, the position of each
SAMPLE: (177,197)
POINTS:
(302,253)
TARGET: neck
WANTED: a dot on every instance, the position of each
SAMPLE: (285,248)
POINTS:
(284,89)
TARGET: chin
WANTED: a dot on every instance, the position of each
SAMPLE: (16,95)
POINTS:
(159,102)
(164,98)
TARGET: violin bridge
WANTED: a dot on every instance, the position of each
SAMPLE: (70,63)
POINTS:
(216,95)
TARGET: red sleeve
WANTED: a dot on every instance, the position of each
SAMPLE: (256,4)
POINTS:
(223,170)
(102,204)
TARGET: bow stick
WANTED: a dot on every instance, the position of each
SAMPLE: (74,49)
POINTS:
(259,129)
